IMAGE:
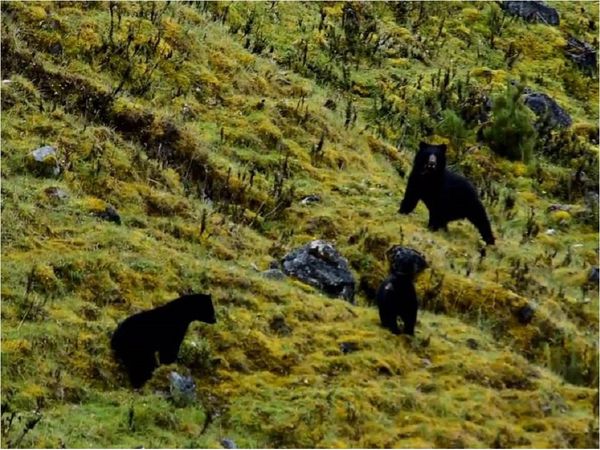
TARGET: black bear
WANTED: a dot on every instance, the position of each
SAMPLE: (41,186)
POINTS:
(448,196)
(396,297)
(137,339)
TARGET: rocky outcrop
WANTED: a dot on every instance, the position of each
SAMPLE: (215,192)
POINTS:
(582,54)
(532,11)
(320,265)
(546,108)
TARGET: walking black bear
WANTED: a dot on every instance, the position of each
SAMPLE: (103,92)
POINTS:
(137,339)
(448,196)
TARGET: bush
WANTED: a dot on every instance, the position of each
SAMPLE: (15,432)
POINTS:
(510,133)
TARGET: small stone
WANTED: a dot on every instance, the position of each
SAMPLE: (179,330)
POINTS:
(44,161)
(273,274)
(228,443)
(426,362)
(559,207)
(56,193)
(110,214)
(348,347)
(309,199)
(182,389)
(550,231)
(472,344)
(525,314)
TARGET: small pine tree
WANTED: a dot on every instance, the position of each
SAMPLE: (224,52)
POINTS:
(511,133)
(453,127)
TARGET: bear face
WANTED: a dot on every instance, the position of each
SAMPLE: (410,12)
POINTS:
(406,261)
(430,160)
(200,307)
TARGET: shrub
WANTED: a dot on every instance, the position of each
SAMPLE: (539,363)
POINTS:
(453,128)
(510,133)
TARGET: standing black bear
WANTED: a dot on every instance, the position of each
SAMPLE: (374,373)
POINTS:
(137,339)
(448,196)
(396,297)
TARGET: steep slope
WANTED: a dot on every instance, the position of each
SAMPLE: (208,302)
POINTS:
(204,124)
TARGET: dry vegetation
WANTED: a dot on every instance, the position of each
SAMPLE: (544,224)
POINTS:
(204,124)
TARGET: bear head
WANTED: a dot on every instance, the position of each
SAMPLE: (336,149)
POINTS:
(200,307)
(405,261)
(430,160)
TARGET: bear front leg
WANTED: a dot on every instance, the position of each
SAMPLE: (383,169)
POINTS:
(411,197)
(168,354)
(436,222)
(140,369)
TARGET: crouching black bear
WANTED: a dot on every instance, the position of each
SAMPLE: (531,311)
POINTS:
(448,196)
(396,297)
(137,339)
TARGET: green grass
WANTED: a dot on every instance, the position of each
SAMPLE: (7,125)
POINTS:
(182,139)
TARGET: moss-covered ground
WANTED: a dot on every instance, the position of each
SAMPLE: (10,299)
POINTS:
(204,125)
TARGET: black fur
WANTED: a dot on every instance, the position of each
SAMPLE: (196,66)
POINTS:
(448,196)
(137,339)
(397,297)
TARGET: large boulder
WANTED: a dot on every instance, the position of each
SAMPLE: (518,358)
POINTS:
(405,261)
(545,107)
(319,264)
(532,11)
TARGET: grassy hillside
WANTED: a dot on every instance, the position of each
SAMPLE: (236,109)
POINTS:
(204,125)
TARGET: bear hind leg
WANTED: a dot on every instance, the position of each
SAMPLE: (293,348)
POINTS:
(480,220)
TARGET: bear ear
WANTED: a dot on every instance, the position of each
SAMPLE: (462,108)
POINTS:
(442,147)
(423,145)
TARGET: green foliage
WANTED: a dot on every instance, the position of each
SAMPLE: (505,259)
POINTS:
(510,132)
(453,127)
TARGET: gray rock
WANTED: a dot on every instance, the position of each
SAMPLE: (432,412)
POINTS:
(559,207)
(582,54)
(532,11)
(228,443)
(405,261)
(182,389)
(320,265)
(110,214)
(545,107)
(56,193)
(309,199)
(44,161)
(273,274)
(349,347)
(472,344)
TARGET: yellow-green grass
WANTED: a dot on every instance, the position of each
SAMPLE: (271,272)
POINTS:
(474,376)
